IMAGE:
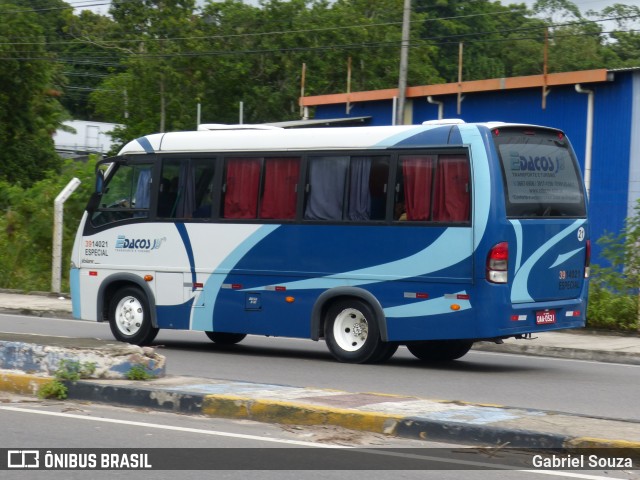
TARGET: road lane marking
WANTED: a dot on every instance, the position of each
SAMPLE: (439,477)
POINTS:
(467,463)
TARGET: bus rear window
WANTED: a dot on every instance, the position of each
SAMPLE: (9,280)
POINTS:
(541,175)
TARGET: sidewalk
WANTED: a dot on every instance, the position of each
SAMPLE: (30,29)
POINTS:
(403,416)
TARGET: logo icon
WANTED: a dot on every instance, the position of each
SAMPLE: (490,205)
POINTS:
(23,459)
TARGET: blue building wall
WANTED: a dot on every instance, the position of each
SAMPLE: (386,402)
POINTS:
(565,109)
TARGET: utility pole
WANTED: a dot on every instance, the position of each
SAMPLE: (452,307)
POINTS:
(404,63)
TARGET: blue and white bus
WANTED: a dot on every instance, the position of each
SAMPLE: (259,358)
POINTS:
(432,236)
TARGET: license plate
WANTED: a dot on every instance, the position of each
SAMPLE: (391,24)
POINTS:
(545,317)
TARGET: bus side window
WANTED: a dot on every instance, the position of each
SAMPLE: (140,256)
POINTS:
(451,200)
(368,177)
(349,188)
(183,188)
(168,193)
(202,171)
(241,188)
(327,181)
(414,187)
(378,180)
(127,195)
(280,188)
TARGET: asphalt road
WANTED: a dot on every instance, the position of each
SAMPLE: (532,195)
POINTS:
(54,426)
(589,388)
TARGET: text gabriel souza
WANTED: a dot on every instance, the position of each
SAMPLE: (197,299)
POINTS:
(581,461)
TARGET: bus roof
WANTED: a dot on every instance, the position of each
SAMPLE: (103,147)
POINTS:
(278,139)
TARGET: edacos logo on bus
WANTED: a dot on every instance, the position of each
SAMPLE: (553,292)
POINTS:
(124,243)
(524,163)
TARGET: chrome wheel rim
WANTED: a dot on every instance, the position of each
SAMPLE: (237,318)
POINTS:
(129,315)
(350,329)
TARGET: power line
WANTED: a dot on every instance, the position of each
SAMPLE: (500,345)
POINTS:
(50,9)
(428,42)
(314,30)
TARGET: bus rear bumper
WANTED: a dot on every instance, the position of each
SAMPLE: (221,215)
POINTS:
(540,317)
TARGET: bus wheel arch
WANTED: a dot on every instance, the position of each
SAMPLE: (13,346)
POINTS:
(111,295)
(353,326)
(324,301)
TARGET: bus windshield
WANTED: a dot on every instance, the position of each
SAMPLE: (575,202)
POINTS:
(540,173)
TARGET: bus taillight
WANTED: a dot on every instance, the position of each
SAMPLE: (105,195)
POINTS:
(587,260)
(497,263)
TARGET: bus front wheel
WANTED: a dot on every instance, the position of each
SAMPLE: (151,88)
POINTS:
(130,318)
(224,338)
(352,333)
(440,350)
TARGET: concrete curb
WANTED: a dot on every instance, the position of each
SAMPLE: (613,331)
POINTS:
(44,354)
(21,383)
(32,312)
(521,429)
(36,304)
(628,358)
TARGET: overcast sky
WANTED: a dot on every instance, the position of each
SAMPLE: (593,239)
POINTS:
(586,5)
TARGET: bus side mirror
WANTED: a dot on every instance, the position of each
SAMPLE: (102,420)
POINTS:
(99,182)
(94,200)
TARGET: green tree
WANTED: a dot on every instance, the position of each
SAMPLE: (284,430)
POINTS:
(26,226)
(497,40)
(613,293)
(30,110)
(625,40)
(158,89)
(87,49)
(576,43)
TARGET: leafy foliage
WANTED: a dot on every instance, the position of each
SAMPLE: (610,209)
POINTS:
(139,372)
(613,294)
(26,226)
(151,62)
(29,109)
(68,371)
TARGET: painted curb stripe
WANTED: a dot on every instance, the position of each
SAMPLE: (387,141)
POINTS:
(276,411)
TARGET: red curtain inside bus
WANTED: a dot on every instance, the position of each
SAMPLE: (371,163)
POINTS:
(242,185)
(418,178)
(451,198)
(279,195)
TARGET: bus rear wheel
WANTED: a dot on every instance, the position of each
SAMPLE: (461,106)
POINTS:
(440,350)
(224,338)
(130,317)
(352,333)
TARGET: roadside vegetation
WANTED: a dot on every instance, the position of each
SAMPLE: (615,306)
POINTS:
(26,226)
(614,293)
(68,371)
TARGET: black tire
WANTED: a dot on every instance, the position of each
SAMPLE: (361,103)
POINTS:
(352,334)
(385,352)
(130,317)
(440,350)
(224,338)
